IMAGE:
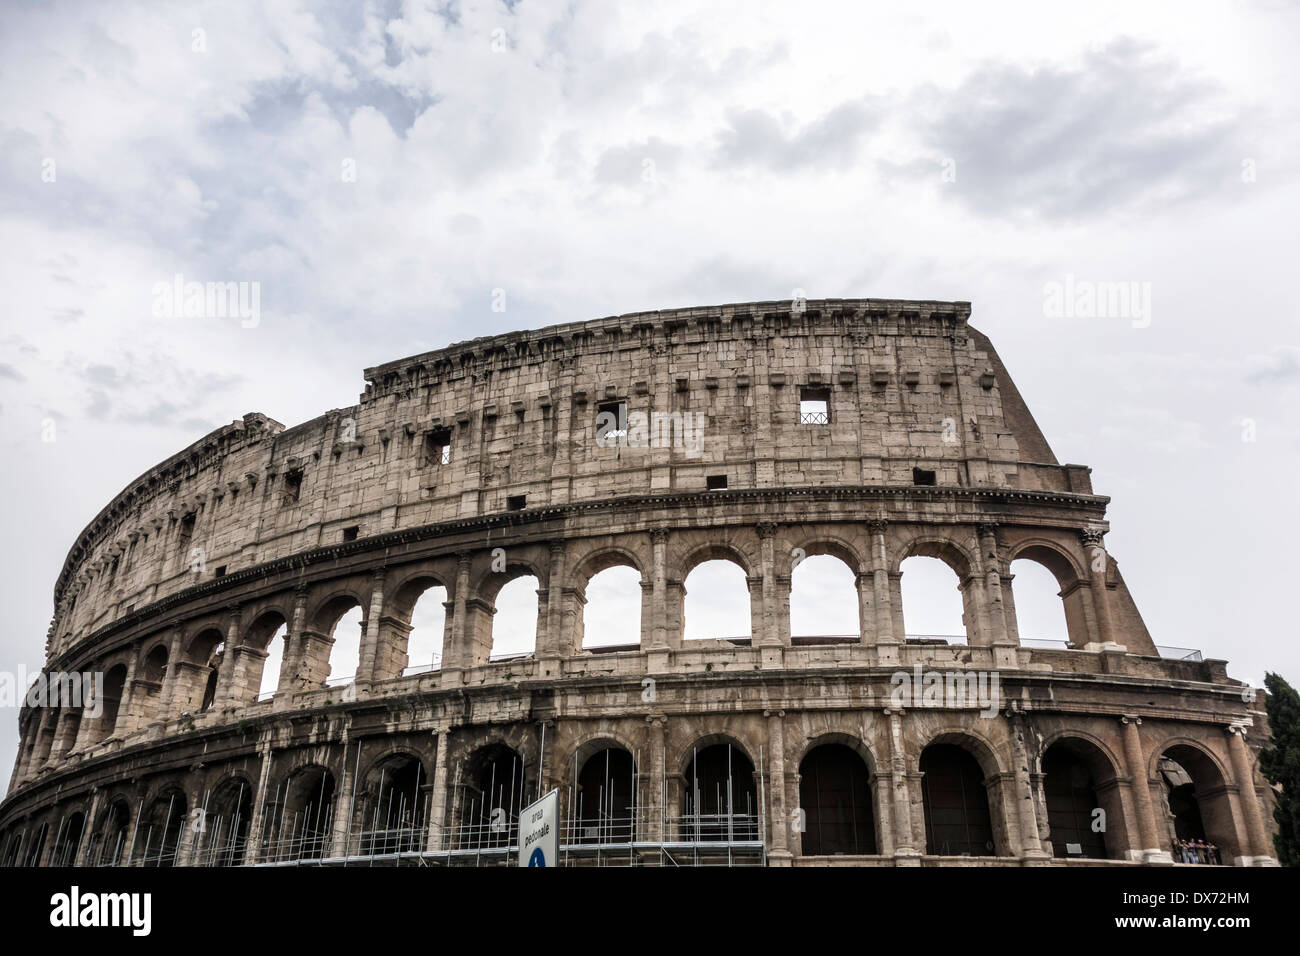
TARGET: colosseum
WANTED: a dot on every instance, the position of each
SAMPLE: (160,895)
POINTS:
(202,606)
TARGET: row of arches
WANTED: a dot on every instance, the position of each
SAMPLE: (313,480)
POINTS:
(714,795)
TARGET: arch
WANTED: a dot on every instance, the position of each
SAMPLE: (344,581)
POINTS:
(423,646)
(114,687)
(713,551)
(346,635)
(722,606)
(824,598)
(227,817)
(1079,779)
(68,839)
(492,789)
(491,582)
(1032,598)
(390,809)
(161,828)
(112,835)
(836,799)
(604,798)
(610,615)
(299,823)
(955,802)
(927,545)
(928,606)
(720,796)
(827,545)
(1194,795)
(603,559)
(514,623)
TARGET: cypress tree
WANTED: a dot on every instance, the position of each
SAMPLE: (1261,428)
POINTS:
(1280,764)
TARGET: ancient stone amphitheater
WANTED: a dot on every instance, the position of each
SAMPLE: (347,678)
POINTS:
(762,434)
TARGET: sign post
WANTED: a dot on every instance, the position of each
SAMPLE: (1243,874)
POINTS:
(539,832)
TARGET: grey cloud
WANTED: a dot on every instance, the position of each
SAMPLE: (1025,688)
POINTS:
(626,165)
(755,137)
(11,373)
(1123,129)
(1282,365)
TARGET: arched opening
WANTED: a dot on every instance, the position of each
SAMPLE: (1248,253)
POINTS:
(428,626)
(1040,614)
(612,615)
(392,808)
(225,824)
(1198,817)
(1048,601)
(514,625)
(110,842)
(68,840)
(824,599)
(152,673)
(114,684)
(716,602)
(268,634)
(604,798)
(345,652)
(1076,816)
(493,789)
(301,827)
(158,838)
(933,601)
(721,799)
(835,796)
(957,820)
(206,651)
(214,670)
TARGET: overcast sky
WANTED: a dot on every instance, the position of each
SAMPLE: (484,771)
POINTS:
(381,168)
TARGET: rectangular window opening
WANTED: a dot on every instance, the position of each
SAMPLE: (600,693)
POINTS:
(220,572)
(716,482)
(611,420)
(350,534)
(921,476)
(516,502)
(292,486)
(814,406)
(438,446)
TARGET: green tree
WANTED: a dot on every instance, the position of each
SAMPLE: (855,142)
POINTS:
(1280,764)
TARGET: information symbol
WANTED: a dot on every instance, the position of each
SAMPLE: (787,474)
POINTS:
(538,858)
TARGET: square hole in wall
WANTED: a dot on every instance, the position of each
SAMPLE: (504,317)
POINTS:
(716,482)
(350,534)
(611,420)
(814,406)
(921,476)
(292,486)
(516,502)
(220,572)
(437,447)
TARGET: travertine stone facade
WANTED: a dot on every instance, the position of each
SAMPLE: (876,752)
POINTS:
(925,448)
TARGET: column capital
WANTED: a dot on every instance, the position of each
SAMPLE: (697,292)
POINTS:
(1092,537)
(877,525)
(557,547)
(659,535)
(766,529)
(986,528)
(1133,719)
(773,713)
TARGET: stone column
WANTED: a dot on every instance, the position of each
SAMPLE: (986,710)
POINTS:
(257,824)
(654,793)
(865,583)
(887,642)
(906,852)
(83,849)
(293,661)
(554,640)
(766,628)
(1031,844)
(1260,849)
(1148,838)
(171,676)
(779,853)
(373,664)
(1098,563)
(438,794)
(456,657)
